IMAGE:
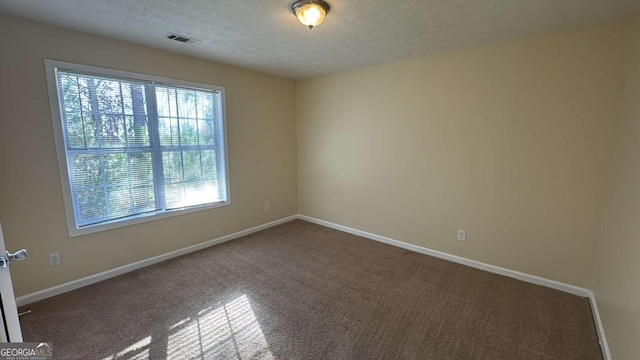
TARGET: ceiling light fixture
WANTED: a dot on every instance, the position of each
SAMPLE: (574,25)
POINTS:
(310,12)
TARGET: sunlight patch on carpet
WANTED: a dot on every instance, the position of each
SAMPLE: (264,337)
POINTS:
(229,331)
(137,351)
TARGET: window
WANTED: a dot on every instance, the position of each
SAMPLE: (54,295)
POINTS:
(135,148)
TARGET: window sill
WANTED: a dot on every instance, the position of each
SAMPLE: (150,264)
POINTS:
(139,219)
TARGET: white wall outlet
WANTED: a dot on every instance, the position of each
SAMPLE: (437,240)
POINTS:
(54,259)
(462,235)
(267,206)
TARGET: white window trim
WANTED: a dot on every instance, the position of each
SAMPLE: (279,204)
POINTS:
(56,117)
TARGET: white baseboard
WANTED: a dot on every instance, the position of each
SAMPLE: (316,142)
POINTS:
(571,289)
(92,279)
(599,327)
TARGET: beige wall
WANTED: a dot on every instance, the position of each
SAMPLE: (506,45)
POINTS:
(510,141)
(262,153)
(616,282)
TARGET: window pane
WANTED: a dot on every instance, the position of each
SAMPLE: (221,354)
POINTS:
(189,178)
(208,164)
(144,198)
(168,129)
(120,201)
(86,170)
(141,179)
(103,113)
(205,105)
(90,133)
(167,101)
(112,185)
(141,168)
(207,132)
(110,130)
(172,165)
(69,89)
(191,193)
(91,204)
(192,165)
(128,91)
(116,168)
(135,103)
(186,104)
(107,93)
(188,132)
(186,117)
(74,129)
(137,132)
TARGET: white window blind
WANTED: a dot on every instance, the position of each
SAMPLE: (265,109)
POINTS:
(134,147)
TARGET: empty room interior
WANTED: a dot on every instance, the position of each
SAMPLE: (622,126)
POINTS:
(337,179)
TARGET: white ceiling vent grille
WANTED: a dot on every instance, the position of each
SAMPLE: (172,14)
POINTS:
(181,38)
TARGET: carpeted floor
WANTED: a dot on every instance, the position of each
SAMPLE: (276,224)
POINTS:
(303,291)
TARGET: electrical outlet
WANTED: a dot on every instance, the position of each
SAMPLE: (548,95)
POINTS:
(54,259)
(267,206)
(462,235)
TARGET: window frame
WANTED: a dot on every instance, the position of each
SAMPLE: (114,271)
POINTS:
(51,68)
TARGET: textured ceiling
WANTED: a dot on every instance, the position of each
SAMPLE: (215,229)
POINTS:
(264,35)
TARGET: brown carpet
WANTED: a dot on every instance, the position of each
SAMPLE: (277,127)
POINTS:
(303,291)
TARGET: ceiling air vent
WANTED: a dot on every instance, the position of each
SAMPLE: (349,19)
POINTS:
(181,38)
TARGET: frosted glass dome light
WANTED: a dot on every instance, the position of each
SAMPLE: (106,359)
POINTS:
(310,12)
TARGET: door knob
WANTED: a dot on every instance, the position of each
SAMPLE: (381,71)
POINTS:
(5,260)
(20,255)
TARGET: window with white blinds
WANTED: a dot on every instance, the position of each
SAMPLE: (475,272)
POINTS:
(133,147)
